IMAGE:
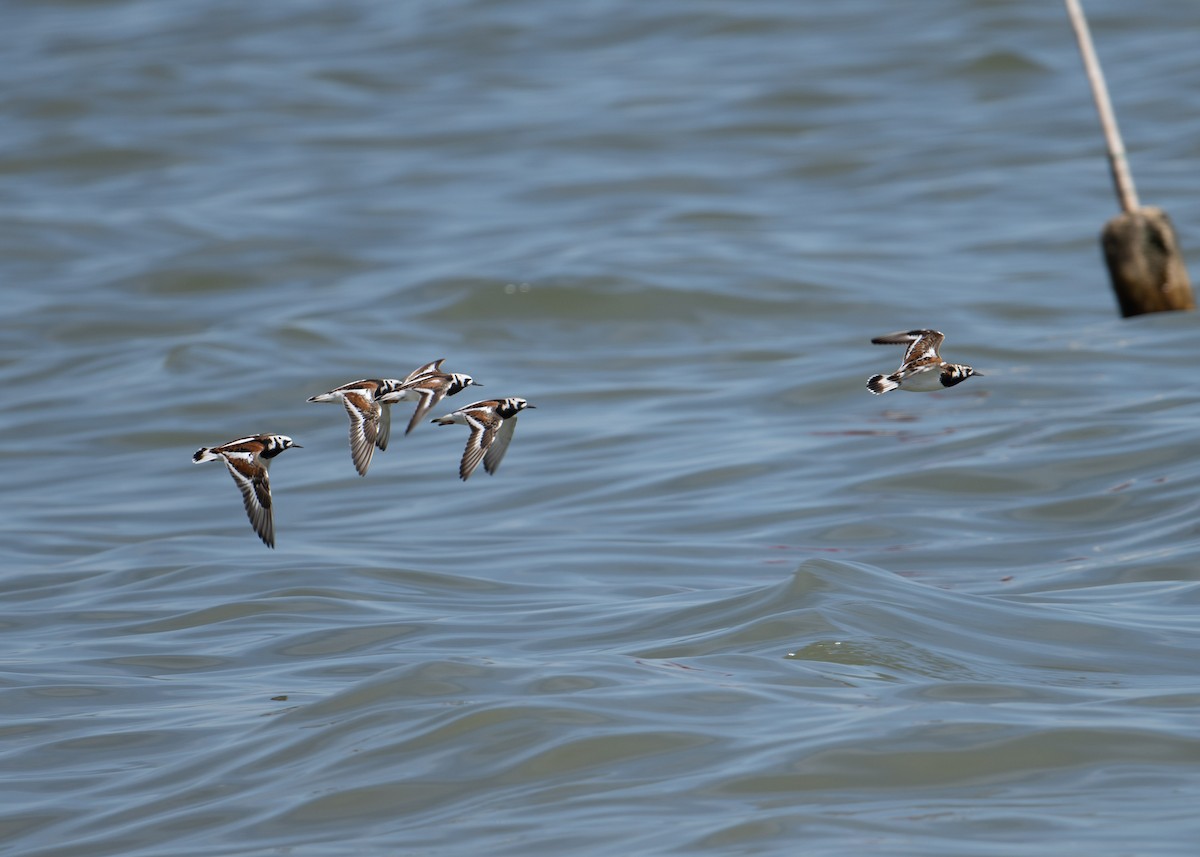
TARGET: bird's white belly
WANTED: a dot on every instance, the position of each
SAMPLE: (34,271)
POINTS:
(923,382)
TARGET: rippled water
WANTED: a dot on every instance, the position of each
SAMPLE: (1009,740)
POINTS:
(719,599)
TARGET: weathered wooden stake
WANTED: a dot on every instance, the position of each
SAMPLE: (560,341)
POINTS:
(1140,248)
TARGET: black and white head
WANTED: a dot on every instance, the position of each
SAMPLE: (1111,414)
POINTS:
(273,444)
(956,373)
(512,406)
(460,382)
(387,385)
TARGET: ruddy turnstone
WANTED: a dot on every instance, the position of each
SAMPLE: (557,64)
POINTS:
(247,459)
(922,369)
(370,422)
(427,389)
(492,424)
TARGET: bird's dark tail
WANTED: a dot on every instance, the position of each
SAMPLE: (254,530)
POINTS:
(879,384)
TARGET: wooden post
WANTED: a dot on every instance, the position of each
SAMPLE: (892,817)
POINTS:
(1140,248)
(1144,263)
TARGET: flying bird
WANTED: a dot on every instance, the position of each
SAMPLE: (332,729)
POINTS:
(923,369)
(492,423)
(247,459)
